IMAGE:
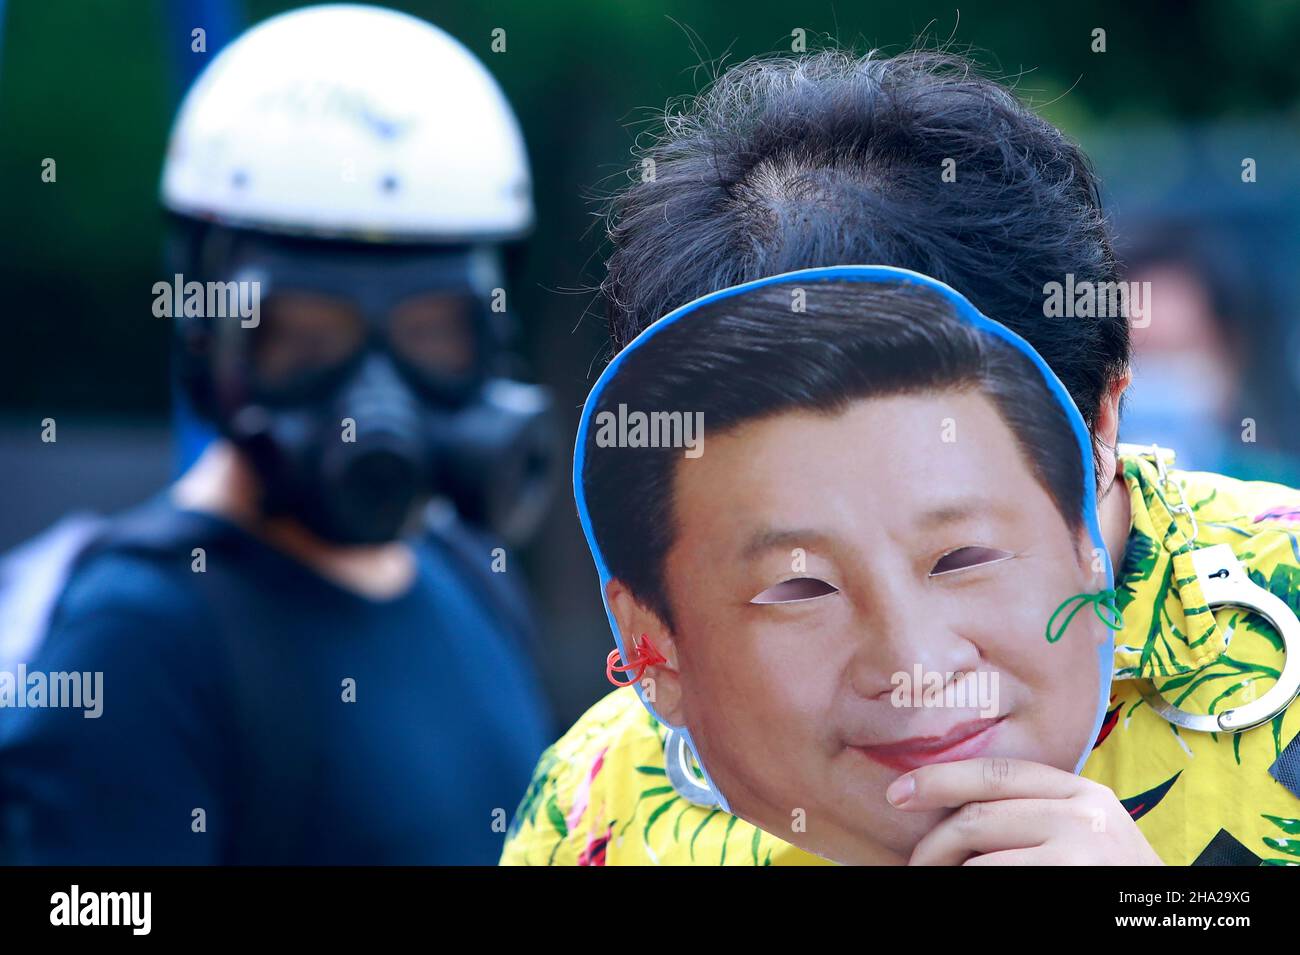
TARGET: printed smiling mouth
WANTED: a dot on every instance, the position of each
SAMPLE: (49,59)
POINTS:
(963,741)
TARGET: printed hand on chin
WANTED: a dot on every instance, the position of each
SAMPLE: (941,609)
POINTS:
(1015,812)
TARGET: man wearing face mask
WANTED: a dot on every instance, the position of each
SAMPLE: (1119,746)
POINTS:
(303,650)
(1205,307)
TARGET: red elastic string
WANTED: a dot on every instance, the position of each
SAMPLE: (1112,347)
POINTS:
(644,654)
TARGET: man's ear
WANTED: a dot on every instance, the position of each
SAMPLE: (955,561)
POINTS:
(1105,431)
(661,683)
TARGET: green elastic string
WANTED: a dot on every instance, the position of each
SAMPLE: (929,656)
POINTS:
(1103,605)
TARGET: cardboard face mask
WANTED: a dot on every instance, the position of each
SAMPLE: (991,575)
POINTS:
(844,526)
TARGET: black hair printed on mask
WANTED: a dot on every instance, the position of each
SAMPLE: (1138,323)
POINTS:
(749,357)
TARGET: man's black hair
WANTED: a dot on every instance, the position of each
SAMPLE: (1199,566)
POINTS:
(831,158)
(751,356)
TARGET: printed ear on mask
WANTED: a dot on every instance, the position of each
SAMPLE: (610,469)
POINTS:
(650,663)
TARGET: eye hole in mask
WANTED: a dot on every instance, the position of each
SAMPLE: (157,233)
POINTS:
(791,591)
(303,337)
(433,334)
(964,558)
(307,340)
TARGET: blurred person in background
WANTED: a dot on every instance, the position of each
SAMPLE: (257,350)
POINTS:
(1203,322)
(307,650)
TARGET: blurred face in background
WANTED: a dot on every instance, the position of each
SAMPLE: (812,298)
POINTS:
(1186,370)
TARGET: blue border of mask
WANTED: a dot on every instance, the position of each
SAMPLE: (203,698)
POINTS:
(883,275)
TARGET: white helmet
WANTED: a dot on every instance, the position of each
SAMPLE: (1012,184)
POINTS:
(350,121)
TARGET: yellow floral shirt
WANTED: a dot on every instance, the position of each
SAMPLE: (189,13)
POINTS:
(600,795)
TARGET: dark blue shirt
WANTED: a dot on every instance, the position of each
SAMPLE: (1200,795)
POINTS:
(226,691)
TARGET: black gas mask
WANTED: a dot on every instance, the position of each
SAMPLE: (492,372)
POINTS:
(368,381)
